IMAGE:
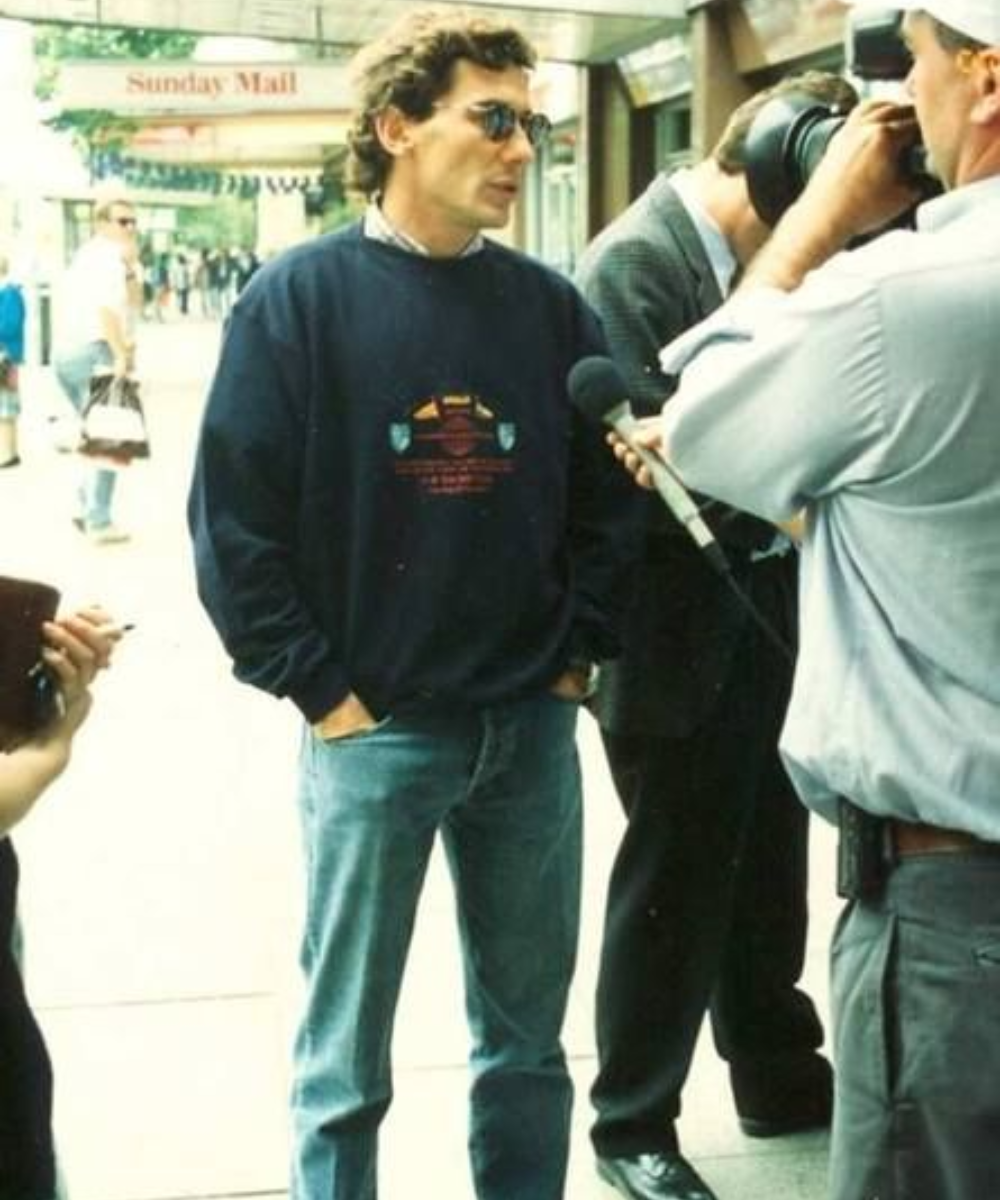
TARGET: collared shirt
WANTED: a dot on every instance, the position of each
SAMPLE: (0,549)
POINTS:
(724,266)
(717,248)
(378,226)
(871,396)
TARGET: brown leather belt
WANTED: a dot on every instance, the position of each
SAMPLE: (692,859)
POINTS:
(909,838)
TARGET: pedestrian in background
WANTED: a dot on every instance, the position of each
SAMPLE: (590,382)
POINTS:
(180,280)
(216,282)
(99,305)
(12,323)
(388,435)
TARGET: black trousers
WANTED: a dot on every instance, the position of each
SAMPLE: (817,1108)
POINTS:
(27,1159)
(706,911)
(915,974)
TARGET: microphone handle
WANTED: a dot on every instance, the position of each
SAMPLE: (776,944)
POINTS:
(678,500)
(672,491)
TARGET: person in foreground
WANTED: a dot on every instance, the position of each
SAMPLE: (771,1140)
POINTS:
(875,374)
(707,897)
(76,647)
(401,525)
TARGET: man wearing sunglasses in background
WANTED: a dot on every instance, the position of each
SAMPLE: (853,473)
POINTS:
(99,301)
(876,373)
(401,526)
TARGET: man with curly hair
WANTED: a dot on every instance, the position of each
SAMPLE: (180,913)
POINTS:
(401,525)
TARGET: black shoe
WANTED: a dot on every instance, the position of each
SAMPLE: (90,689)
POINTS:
(793,1097)
(663,1176)
(11,462)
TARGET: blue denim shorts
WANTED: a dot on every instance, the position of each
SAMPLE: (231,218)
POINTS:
(10,404)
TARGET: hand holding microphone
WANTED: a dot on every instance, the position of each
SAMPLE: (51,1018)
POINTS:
(637,454)
(598,389)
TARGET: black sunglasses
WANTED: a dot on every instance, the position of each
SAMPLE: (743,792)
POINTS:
(498,120)
(126,222)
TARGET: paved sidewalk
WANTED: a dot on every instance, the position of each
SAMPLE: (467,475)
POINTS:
(161,885)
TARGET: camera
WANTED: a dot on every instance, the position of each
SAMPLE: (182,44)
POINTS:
(29,693)
(791,133)
(873,46)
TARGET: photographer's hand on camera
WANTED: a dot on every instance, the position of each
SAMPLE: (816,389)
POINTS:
(859,186)
(861,182)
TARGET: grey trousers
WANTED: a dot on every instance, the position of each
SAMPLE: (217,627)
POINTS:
(916,1004)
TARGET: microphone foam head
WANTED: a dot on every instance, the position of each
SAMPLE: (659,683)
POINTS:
(596,386)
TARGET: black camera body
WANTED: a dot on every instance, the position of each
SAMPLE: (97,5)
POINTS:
(791,133)
(873,45)
(30,697)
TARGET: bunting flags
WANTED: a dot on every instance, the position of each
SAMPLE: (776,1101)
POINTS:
(318,187)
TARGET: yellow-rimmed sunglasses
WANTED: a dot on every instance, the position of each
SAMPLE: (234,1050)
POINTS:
(969,58)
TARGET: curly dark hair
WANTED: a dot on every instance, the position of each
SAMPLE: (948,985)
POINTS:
(410,67)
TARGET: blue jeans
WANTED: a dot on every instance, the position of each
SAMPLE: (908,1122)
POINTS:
(502,787)
(98,484)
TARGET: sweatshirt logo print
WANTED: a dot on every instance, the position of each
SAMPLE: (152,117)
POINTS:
(453,445)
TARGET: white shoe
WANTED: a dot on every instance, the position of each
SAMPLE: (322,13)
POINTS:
(107,535)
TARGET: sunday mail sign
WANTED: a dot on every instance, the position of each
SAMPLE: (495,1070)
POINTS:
(183,87)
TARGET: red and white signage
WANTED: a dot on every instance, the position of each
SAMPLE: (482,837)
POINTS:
(144,86)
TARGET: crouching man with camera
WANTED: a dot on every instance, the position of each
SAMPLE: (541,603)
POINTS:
(875,373)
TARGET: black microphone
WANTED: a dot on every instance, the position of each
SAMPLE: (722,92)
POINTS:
(598,389)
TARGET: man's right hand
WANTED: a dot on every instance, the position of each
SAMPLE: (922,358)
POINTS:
(860,181)
(857,187)
(350,716)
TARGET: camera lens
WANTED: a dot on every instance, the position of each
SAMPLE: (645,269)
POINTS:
(787,139)
(808,140)
(785,143)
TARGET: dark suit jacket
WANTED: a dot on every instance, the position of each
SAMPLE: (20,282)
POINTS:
(649,278)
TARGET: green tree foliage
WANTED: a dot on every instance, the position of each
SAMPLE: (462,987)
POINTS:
(339,214)
(93,127)
(227,221)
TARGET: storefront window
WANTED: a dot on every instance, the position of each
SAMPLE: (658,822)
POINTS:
(672,135)
(553,222)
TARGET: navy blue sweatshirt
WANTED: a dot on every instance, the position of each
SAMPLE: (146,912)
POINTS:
(392,494)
